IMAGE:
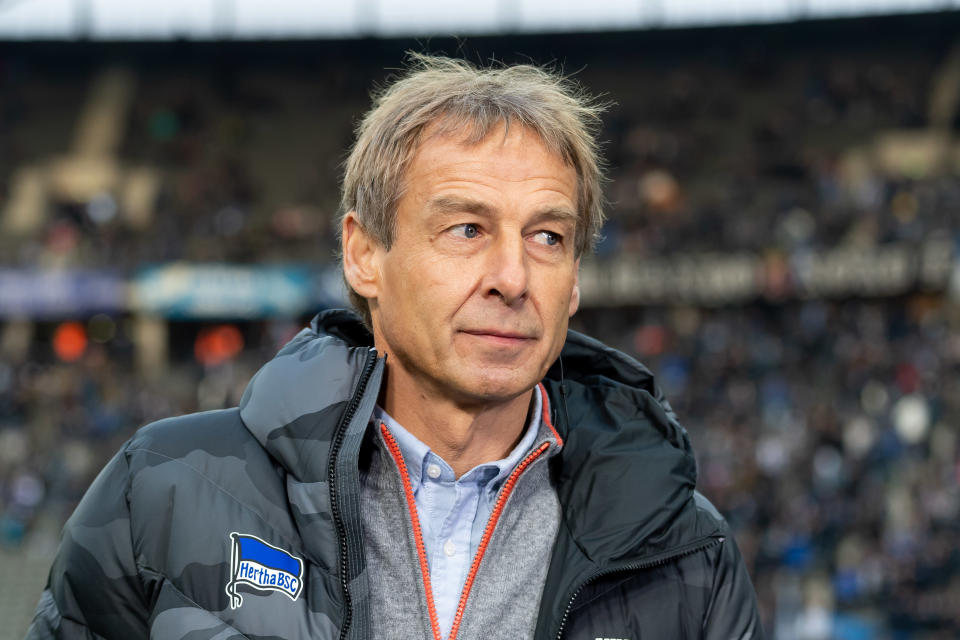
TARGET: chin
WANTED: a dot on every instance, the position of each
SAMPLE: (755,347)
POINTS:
(498,388)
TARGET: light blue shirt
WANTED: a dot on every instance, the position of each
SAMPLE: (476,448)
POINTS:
(453,512)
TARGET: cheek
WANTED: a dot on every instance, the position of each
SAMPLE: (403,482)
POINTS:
(560,292)
(420,287)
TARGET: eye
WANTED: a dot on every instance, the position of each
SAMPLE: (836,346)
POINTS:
(467,230)
(548,238)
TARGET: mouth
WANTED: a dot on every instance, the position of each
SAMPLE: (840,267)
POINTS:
(500,337)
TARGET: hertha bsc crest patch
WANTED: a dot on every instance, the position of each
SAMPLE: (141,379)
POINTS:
(262,566)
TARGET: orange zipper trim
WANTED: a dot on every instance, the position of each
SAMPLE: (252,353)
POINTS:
(487,532)
(417,533)
(545,404)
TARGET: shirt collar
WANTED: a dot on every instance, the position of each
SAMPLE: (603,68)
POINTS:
(417,455)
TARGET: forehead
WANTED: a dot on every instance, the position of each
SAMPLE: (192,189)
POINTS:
(506,157)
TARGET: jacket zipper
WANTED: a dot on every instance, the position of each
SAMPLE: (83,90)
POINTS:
(332,480)
(653,561)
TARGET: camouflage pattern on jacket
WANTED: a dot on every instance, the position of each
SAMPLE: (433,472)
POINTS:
(148,552)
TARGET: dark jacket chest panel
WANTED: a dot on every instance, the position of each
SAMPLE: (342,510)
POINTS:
(667,601)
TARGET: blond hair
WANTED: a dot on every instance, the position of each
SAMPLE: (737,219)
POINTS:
(450,95)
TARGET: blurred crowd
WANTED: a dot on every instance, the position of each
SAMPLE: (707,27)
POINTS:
(61,421)
(744,149)
(826,430)
(775,154)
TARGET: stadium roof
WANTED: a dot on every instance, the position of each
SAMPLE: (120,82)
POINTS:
(282,19)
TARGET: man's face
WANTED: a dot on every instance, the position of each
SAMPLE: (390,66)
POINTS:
(473,299)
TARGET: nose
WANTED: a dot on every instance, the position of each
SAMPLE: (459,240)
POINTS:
(507,271)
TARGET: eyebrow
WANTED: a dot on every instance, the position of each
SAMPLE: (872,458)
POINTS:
(451,204)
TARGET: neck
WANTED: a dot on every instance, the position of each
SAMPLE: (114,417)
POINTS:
(464,435)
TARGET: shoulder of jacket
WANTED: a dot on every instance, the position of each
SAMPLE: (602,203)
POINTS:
(207,458)
(708,515)
(209,431)
(214,445)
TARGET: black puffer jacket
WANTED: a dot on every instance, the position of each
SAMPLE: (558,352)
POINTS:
(152,549)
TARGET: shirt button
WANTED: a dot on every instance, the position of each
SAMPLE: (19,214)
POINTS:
(434,471)
(449,548)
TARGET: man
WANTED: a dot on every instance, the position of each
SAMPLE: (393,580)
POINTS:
(457,466)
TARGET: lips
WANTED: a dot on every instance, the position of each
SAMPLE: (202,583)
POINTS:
(500,339)
(499,333)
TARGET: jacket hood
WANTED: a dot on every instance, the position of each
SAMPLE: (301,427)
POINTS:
(627,472)
(618,430)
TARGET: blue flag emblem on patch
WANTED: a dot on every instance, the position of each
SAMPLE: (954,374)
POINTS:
(262,566)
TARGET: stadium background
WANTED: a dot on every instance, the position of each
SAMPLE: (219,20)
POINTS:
(781,251)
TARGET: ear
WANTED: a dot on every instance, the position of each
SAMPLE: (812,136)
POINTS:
(360,257)
(575,295)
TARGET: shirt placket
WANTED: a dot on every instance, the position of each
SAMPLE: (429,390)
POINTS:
(452,504)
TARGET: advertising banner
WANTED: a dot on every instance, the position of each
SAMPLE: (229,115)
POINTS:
(194,291)
(50,294)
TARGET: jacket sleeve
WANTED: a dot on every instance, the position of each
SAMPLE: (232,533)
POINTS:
(94,590)
(732,609)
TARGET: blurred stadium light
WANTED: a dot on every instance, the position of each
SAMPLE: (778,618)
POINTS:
(252,19)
